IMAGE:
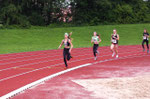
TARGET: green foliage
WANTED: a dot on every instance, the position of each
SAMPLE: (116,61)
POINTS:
(84,12)
(8,13)
(111,11)
(60,25)
(124,14)
(36,19)
(94,21)
(10,16)
(23,21)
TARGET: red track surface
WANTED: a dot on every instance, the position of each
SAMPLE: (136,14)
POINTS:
(17,70)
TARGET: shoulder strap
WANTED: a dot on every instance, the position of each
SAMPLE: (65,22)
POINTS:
(68,40)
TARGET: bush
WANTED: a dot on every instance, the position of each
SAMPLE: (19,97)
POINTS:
(20,22)
(36,19)
(124,14)
(24,23)
(1,26)
(61,25)
(94,21)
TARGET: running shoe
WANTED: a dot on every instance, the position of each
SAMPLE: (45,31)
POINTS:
(66,67)
(71,56)
(143,50)
(98,52)
(95,58)
(113,54)
(117,56)
(147,51)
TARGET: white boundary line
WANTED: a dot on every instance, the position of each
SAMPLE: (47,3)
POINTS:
(47,54)
(29,56)
(38,53)
(17,91)
(55,50)
(47,67)
(24,65)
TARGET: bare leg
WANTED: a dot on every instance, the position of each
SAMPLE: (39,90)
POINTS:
(116,49)
(112,49)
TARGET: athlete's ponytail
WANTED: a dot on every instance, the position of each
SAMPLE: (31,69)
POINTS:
(98,35)
(69,37)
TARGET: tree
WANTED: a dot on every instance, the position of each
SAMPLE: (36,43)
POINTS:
(83,12)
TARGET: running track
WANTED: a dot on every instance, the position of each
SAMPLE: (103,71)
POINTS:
(20,69)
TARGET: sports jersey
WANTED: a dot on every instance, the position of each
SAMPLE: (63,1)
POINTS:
(95,39)
(66,43)
(145,36)
(114,39)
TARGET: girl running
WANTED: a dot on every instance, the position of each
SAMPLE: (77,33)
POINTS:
(114,45)
(96,40)
(145,39)
(67,49)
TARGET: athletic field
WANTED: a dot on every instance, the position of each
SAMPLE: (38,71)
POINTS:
(41,75)
(45,38)
(31,66)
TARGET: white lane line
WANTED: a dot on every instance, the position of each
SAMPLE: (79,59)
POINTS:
(39,62)
(47,67)
(52,66)
(13,93)
(33,58)
(40,58)
(51,55)
(37,59)
(17,91)
(55,55)
(34,63)
(56,50)
(39,69)
(47,51)
(35,53)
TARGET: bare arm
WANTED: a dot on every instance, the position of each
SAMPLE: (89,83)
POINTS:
(71,46)
(118,37)
(111,39)
(61,44)
(92,41)
(99,39)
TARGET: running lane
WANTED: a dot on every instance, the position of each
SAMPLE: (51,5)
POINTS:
(21,73)
(83,83)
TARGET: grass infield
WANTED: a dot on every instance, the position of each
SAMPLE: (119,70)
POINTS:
(45,38)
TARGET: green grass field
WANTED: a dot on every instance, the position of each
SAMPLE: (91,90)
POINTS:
(45,38)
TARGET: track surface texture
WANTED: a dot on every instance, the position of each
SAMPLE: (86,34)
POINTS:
(106,78)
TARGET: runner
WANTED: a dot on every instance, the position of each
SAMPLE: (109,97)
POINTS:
(114,45)
(145,39)
(67,49)
(96,40)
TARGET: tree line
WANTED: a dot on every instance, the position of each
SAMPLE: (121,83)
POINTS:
(83,12)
